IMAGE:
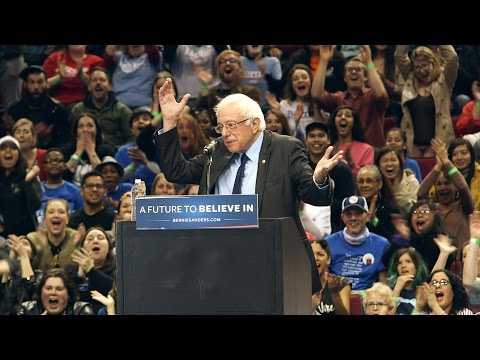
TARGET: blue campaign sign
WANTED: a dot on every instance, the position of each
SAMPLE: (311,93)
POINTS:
(185,212)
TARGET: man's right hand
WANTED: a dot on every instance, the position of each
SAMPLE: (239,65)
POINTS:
(170,108)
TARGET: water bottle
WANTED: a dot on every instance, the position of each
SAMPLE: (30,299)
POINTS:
(139,189)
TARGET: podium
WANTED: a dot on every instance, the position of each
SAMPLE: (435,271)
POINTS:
(213,271)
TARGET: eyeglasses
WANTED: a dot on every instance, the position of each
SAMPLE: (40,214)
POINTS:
(231,61)
(230,126)
(371,305)
(442,283)
(351,69)
(54,161)
(91,186)
(416,212)
(366,181)
(421,66)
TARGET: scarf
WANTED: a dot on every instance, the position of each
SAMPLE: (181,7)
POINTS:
(356,240)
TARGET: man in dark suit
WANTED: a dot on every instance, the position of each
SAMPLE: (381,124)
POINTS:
(276,167)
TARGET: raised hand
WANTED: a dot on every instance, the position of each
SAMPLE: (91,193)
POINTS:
(326,52)
(204,75)
(170,108)
(404,280)
(326,164)
(421,296)
(336,283)
(272,101)
(43,129)
(297,115)
(401,226)
(62,68)
(475,225)
(440,149)
(366,53)
(83,258)
(89,142)
(137,155)
(444,243)
(80,234)
(104,300)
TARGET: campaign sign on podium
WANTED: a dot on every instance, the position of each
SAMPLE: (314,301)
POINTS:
(185,212)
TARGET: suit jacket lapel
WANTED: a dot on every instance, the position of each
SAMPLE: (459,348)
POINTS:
(263,162)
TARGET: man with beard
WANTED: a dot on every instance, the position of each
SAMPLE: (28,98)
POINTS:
(230,71)
(112,115)
(317,141)
(46,113)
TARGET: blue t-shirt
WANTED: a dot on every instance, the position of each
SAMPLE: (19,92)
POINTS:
(359,264)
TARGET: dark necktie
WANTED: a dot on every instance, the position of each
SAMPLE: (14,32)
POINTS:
(237,187)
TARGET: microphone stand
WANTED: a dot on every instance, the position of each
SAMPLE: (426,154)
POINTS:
(209,165)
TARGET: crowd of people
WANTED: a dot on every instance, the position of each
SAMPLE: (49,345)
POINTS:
(77,128)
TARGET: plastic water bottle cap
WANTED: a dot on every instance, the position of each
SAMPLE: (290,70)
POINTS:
(137,181)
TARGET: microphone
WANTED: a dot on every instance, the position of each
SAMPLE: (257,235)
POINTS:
(208,149)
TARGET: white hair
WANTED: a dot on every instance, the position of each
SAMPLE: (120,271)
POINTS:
(246,106)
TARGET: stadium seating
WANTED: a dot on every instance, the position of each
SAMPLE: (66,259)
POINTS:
(356,307)
(426,165)
(390,122)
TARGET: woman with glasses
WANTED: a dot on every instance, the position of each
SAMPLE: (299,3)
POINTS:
(379,300)
(442,294)
(429,79)
(420,230)
(452,194)
(382,203)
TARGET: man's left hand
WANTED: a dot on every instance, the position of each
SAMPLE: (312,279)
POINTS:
(326,164)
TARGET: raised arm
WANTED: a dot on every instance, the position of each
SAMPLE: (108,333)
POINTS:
(340,291)
(402,59)
(374,80)
(470,265)
(318,86)
(171,109)
(326,164)
(444,243)
(450,59)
